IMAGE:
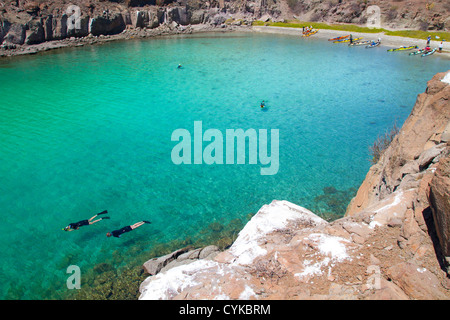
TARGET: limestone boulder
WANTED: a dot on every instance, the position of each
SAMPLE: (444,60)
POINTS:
(59,27)
(35,33)
(102,25)
(83,29)
(48,28)
(16,34)
(429,155)
(155,265)
(4,28)
(417,282)
(197,16)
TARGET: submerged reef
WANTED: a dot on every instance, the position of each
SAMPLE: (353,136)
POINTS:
(331,205)
(110,280)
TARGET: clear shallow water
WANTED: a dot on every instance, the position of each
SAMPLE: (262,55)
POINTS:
(88,129)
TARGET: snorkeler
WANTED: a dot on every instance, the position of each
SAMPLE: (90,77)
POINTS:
(263,104)
(180,66)
(118,233)
(75,226)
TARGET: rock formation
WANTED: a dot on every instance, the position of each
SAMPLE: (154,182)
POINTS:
(391,244)
(31,22)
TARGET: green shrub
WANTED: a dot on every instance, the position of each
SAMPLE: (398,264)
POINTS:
(382,143)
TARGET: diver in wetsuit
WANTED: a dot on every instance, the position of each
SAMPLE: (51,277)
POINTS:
(76,225)
(119,232)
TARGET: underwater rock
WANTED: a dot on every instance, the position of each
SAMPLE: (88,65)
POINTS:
(155,265)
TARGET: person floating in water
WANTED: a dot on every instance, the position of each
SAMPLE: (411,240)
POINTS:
(263,104)
(180,66)
(119,232)
(75,226)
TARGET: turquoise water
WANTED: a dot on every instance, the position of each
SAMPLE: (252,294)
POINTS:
(88,129)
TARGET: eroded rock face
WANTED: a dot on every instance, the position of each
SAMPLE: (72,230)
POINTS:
(107,25)
(16,34)
(439,198)
(417,146)
(287,252)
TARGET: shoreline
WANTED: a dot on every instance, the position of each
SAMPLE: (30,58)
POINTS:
(386,40)
(167,30)
(127,34)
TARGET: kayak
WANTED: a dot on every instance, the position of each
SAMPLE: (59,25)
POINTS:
(339,38)
(429,53)
(347,40)
(417,52)
(360,43)
(373,45)
(307,34)
(403,48)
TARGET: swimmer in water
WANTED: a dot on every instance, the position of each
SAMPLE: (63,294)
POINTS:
(76,225)
(119,232)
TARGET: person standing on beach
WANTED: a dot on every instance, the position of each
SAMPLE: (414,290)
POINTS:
(76,225)
(351,39)
(441,45)
(119,232)
(428,40)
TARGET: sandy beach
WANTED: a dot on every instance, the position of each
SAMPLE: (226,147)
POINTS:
(164,30)
(387,41)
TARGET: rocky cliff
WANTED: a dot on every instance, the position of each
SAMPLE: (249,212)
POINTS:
(28,22)
(392,243)
(416,161)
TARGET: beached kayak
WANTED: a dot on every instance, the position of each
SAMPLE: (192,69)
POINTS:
(346,40)
(373,45)
(360,43)
(307,34)
(339,38)
(429,53)
(420,51)
(403,48)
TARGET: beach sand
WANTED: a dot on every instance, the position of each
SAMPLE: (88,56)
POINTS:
(387,41)
(164,30)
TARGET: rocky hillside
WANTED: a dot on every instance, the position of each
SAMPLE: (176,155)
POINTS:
(392,243)
(31,22)
(395,14)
